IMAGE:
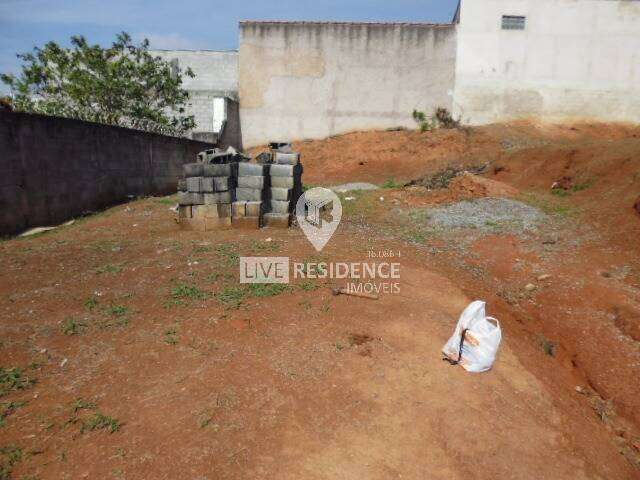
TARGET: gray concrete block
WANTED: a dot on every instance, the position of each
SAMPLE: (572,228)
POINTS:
(286,182)
(222,184)
(250,194)
(224,210)
(217,170)
(238,209)
(190,198)
(251,182)
(218,197)
(253,209)
(285,170)
(277,206)
(192,169)
(206,184)
(286,158)
(193,184)
(246,169)
(276,220)
(281,194)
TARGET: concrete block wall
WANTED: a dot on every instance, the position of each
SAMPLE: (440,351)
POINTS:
(52,169)
(312,80)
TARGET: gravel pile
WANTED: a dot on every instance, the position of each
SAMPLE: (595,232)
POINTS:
(486,214)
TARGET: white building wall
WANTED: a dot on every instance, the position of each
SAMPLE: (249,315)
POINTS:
(575,59)
(216,77)
(312,80)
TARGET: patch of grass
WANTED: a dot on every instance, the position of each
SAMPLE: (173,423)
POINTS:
(13,379)
(105,246)
(201,249)
(171,336)
(547,346)
(90,303)
(11,454)
(547,204)
(582,186)
(71,326)
(182,291)
(560,192)
(229,253)
(172,200)
(391,183)
(99,421)
(415,236)
(308,285)
(267,289)
(81,404)
(260,246)
(232,297)
(109,268)
(116,310)
(8,408)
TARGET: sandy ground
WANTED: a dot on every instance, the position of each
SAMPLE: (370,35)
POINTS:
(124,322)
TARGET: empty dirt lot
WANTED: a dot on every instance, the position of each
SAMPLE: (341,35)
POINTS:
(130,351)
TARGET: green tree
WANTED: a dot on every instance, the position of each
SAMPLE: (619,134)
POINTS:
(121,85)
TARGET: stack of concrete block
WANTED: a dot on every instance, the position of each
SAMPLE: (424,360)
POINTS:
(251,195)
(285,187)
(207,192)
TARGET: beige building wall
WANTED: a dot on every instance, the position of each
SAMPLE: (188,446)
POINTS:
(302,80)
(574,59)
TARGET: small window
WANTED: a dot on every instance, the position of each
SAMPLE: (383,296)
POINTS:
(511,22)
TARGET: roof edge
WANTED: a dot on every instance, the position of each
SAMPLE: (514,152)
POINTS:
(328,22)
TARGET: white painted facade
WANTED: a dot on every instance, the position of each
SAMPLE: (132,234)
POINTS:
(574,59)
(216,79)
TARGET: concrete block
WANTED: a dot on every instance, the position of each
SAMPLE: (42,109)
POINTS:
(276,220)
(248,223)
(238,209)
(220,210)
(286,182)
(184,211)
(250,194)
(218,197)
(222,184)
(190,198)
(218,170)
(193,184)
(281,194)
(192,169)
(255,182)
(277,206)
(253,209)
(286,158)
(206,184)
(285,170)
(246,169)
(224,210)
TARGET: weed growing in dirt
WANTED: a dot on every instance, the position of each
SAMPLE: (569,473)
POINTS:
(99,421)
(71,326)
(260,246)
(13,379)
(547,204)
(11,455)
(229,253)
(267,289)
(308,285)
(116,310)
(182,291)
(547,346)
(105,246)
(171,200)
(171,336)
(201,249)
(90,303)
(232,297)
(7,409)
(81,404)
(391,183)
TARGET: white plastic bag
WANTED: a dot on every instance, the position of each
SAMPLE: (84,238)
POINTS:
(482,337)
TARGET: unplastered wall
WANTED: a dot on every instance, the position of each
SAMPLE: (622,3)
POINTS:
(575,59)
(311,80)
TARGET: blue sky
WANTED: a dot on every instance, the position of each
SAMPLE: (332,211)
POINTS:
(186,24)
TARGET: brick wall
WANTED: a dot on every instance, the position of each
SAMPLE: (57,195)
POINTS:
(52,169)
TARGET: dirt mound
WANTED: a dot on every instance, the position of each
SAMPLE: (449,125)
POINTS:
(469,185)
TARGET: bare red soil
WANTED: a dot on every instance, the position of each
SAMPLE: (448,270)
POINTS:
(125,315)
